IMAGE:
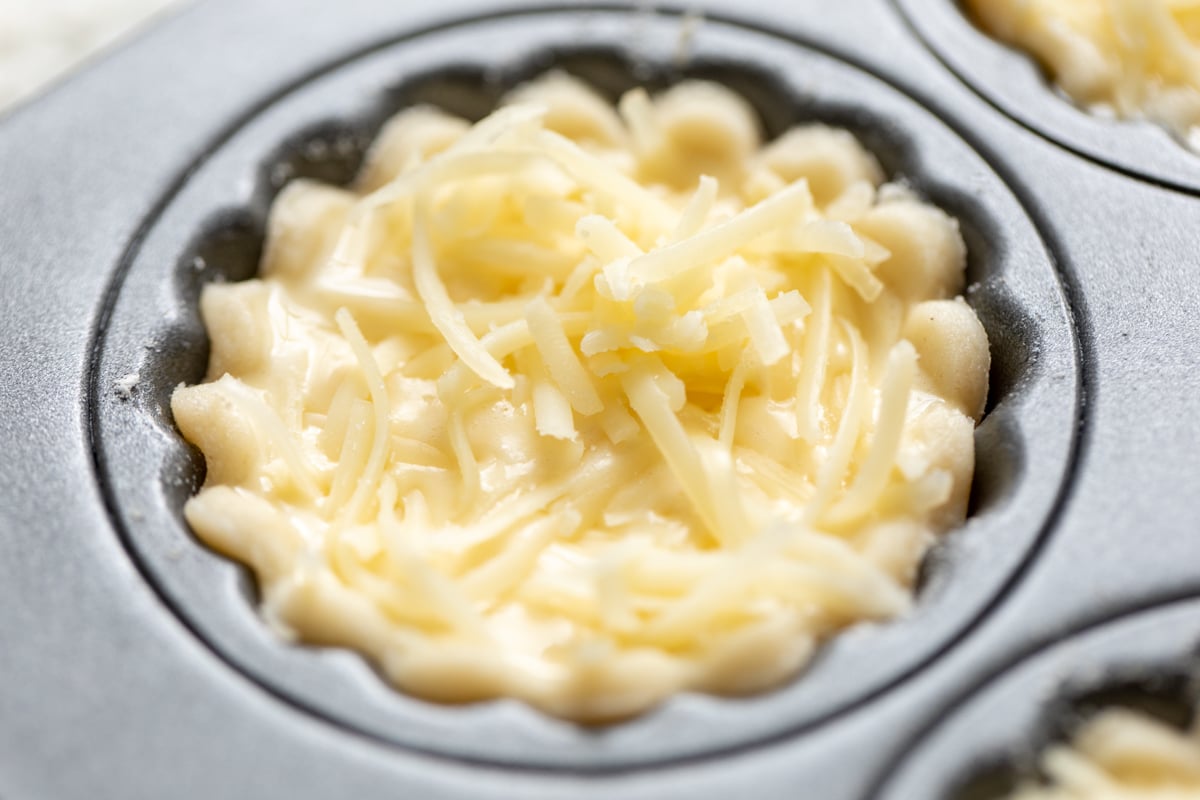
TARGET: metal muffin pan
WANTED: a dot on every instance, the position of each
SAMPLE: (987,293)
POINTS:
(154,332)
(133,662)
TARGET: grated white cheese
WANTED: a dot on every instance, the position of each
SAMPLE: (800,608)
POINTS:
(585,406)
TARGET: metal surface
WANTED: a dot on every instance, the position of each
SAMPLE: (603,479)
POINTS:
(131,662)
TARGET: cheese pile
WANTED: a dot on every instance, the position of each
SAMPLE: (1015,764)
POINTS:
(1132,58)
(585,405)
(1122,755)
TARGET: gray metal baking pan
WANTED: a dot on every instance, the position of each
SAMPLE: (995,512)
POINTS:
(131,660)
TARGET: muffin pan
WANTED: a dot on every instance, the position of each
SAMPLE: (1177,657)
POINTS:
(136,660)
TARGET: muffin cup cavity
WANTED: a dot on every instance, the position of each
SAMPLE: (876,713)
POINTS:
(212,229)
(995,741)
(1013,82)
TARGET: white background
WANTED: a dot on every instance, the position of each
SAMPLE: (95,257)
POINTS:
(43,39)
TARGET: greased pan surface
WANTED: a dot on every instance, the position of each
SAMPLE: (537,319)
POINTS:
(132,663)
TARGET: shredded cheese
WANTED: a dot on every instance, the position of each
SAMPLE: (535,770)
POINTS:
(446,318)
(587,405)
(1131,58)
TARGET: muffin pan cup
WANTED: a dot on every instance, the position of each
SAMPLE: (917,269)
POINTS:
(1014,83)
(132,656)
(1148,661)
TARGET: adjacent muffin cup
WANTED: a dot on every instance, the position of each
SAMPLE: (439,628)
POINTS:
(1013,82)
(1148,661)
